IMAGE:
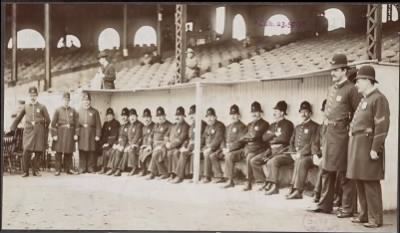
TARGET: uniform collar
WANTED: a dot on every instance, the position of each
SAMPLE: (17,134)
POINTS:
(370,91)
(340,84)
(66,107)
(36,103)
(307,121)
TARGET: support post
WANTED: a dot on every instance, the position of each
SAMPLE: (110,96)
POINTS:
(197,135)
(159,37)
(47,83)
(125,31)
(14,69)
(180,42)
(374,32)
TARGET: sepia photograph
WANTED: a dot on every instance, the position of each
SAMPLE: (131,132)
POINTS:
(160,116)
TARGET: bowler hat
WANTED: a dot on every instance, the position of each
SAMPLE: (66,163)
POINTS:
(146,113)
(125,112)
(281,106)
(256,107)
(110,111)
(132,111)
(338,61)
(180,111)
(210,112)
(102,54)
(33,90)
(86,95)
(234,110)
(160,111)
(366,72)
(305,105)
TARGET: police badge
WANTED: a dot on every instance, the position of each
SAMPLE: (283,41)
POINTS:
(338,98)
(234,130)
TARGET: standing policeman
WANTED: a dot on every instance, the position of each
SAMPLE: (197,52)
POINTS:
(368,131)
(342,101)
(65,130)
(36,125)
(89,134)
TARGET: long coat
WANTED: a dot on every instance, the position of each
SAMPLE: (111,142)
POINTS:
(369,129)
(89,128)
(65,125)
(37,121)
(178,135)
(341,103)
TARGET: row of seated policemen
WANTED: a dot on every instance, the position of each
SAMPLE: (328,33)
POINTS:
(350,140)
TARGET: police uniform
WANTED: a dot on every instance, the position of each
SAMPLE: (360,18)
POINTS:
(145,150)
(89,131)
(235,148)
(255,147)
(64,126)
(186,155)
(342,101)
(368,130)
(317,150)
(130,157)
(108,72)
(160,137)
(177,137)
(302,144)
(118,149)
(35,133)
(214,136)
(109,136)
(278,137)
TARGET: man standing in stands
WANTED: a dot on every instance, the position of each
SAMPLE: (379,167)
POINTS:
(34,139)
(177,136)
(343,99)
(109,136)
(192,65)
(233,148)
(131,152)
(64,130)
(301,144)
(214,136)
(278,137)
(186,151)
(255,147)
(89,134)
(107,71)
(368,131)
(146,148)
(118,148)
(160,137)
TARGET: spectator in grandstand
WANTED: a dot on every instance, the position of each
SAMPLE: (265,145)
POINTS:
(160,135)
(64,130)
(302,150)
(368,132)
(233,148)
(107,71)
(35,134)
(278,137)
(119,146)
(192,65)
(146,148)
(247,41)
(155,58)
(186,150)
(109,136)
(255,147)
(343,99)
(214,136)
(89,135)
(145,60)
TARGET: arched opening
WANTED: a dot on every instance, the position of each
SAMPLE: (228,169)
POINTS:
(109,39)
(145,35)
(277,25)
(395,13)
(220,20)
(239,27)
(336,19)
(69,41)
(28,39)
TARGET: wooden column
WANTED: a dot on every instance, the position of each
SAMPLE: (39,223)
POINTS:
(47,83)
(159,36)
(14,69)
(197,135)
(125,31)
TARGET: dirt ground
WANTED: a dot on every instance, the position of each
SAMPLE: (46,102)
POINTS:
(98,202)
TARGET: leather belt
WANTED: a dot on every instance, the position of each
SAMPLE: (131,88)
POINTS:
(86,126)
(35,122)
(65,125)
(364,131)
(334,123)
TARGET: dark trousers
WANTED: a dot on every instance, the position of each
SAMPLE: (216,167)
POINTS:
(87,161)
(349,195)
(211,164)
(159,161)
(300,172)
(106,157)
(115,159)
(318,184)
(130,159)
(27,161)
(274,164)
(183,161)
(338,187)
(370,198)
(67,161)
(230,159)
(172,160)
(254,164)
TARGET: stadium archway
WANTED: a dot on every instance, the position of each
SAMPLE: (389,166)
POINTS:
(71,41)
(145,35)
(109,39)
(239,27)
(28,39)
(336,19)
(277,25)
(220,20)
(395,13)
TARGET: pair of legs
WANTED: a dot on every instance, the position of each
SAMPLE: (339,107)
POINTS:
(159,162)
(254,163)
(67,162)
(130,159)
(273,166)
(212,166)
(31,158)
(182,163)
(144,160)
(338,189)
(106,154)
(300,172)
(230,159)
(87,161)
(370,198)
